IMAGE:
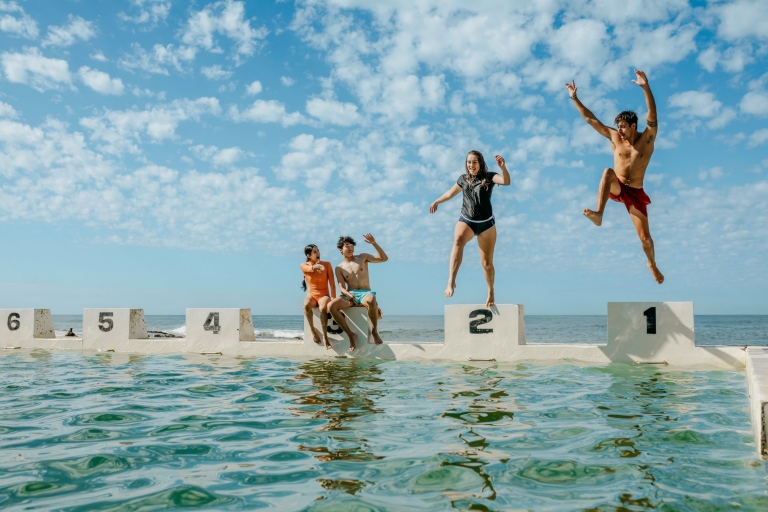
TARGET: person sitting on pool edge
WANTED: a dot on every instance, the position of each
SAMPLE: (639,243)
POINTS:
(355,286)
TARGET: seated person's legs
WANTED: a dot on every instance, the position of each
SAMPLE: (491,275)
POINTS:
(369,301)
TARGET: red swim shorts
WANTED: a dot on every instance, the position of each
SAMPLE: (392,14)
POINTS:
(633,197)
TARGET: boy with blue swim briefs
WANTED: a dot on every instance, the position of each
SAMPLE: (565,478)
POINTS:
(355,286)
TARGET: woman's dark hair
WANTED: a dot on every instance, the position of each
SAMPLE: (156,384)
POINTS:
(307,251)
(628,116)
(482,173)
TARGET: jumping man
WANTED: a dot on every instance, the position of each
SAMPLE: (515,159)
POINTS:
(631,154)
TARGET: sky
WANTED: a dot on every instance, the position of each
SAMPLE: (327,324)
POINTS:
(165,155)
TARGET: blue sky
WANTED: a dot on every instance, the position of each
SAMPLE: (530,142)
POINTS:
(164,154)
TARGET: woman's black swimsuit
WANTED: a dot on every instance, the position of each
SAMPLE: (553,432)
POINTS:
(476,210)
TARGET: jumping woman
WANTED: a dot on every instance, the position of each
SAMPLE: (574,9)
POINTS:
(476,217)
(317,274)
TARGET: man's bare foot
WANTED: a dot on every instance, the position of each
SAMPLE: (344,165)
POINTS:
(592,215)
(490,302)
(328,344)
(449,289)
(376,338)
(657,275)
(352,342)
(315,335)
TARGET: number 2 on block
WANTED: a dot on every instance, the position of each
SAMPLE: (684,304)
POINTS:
(486,317)
(650,320)
(212,323)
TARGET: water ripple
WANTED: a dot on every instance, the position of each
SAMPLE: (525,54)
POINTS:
(113,432)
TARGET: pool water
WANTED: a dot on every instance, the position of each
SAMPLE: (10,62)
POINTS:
(118,432)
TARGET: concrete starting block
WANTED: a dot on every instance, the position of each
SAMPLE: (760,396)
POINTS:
(22,325)
(105,328)
(211,330)
(475,332)
(358,322)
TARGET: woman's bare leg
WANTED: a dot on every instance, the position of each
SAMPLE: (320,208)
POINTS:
(461,235)
(309,304)
(323,304)
(486,242)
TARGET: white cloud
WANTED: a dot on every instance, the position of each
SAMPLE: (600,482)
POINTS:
(120,131)
(159,58)
(226,18)
(758,138)
(668,43)
(253,88)
(100,81)
(266,111)
(287,81)
(149,11)
(99,56)
(218,157)
(714,173)
(7,111)
(215,72)
(743,19)
(13,20)
(333,112)
(755,103)
(69,34)
(733,59)
(33,69)
(701,104)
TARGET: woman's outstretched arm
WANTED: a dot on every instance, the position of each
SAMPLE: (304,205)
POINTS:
(450,194)
(503,178)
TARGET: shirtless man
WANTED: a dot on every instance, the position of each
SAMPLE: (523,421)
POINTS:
(354,285)
(632,151)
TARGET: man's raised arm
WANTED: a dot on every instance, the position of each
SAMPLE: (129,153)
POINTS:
(587,114)
(653,122)
(381,256)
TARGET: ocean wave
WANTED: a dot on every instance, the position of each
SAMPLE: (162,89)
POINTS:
(180,331)
(280,333)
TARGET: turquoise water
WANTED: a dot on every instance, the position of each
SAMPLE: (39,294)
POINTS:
(117,432)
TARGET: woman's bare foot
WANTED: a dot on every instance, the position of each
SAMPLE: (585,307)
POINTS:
(315,336)
(376,338)
(490,302)
(328,344)
(352,342)
(657,275)
(449,289)
(592,215)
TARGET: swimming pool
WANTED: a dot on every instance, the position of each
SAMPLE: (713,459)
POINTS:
(109,431)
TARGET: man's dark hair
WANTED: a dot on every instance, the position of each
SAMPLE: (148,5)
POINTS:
(628,116)
(345,240)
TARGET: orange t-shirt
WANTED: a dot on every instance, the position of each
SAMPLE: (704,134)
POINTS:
(317,280)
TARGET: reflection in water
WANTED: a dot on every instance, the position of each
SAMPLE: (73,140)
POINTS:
(343,392)
(482,410)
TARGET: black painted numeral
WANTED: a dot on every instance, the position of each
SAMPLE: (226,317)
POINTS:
(485,318)
(650,320)
(334,330)
(13,321)
(105,321)
(212,323)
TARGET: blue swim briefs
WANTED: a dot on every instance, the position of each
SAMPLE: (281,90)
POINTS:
(359,295)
